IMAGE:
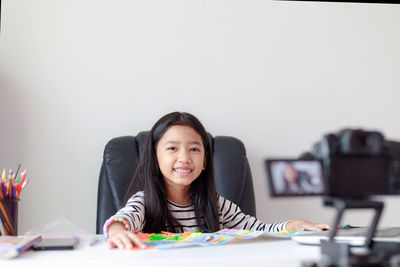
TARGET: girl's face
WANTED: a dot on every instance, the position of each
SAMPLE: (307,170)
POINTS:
(181,156)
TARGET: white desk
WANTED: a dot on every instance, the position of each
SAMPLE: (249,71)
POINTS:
(245,254)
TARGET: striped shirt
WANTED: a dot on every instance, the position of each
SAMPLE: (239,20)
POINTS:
(230,216)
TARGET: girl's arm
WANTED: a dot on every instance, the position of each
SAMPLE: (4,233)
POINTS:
(232,217)
(132,214)
(302,225)
(120,237)
(120,228)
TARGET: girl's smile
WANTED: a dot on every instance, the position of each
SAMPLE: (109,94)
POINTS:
(182,171)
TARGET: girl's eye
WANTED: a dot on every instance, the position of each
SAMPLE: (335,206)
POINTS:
(171,148)
(194,149)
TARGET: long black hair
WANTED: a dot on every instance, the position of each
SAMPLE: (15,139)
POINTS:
(202,190)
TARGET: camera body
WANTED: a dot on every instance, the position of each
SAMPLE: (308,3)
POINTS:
(358,163)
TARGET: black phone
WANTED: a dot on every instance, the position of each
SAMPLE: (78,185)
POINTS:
(56,244)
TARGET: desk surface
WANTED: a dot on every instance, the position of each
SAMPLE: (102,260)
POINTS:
(255,252)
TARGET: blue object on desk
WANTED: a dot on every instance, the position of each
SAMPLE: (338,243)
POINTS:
(348,226)
(96,240)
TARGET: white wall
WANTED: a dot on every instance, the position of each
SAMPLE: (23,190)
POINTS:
(278,75)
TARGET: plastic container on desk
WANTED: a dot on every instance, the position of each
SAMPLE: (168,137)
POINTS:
(9,215)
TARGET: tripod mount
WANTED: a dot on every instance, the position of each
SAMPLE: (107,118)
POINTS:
(371,253)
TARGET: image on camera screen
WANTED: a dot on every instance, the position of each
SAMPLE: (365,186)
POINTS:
(295,177)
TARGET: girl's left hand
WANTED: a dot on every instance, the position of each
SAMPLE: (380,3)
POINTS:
(302,225)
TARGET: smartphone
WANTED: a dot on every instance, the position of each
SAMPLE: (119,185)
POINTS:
(56,244)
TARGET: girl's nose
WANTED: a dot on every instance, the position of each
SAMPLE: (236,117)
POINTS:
(184,156)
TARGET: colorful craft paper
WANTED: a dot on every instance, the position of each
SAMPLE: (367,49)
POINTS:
(166,240)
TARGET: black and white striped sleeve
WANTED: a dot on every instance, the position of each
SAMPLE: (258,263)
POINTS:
(132,213)
(234,218)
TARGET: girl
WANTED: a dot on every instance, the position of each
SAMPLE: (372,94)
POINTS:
(179,191)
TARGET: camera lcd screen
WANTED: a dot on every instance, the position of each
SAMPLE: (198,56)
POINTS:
(291,177)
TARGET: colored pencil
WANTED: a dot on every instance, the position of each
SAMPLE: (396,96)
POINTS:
(4,176)
(16,173)
(21,182)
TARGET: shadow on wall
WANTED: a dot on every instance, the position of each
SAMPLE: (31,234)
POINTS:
(12,123)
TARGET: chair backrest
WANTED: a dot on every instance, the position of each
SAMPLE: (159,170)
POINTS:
(121,155)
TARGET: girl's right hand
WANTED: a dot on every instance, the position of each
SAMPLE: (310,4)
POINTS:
(119,237)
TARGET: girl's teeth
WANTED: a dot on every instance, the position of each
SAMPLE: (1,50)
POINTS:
(179,170)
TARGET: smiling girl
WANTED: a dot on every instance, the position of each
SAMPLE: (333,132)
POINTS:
(179,191)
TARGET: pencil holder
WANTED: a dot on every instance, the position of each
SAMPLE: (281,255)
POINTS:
(9,216)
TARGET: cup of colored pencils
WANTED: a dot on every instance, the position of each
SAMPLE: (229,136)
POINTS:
(10,191)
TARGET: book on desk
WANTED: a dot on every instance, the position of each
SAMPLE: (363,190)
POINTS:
(12,246)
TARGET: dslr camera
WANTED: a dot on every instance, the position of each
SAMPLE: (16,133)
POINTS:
(358,163)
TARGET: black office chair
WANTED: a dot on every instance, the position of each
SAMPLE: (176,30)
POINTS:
(121,155)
